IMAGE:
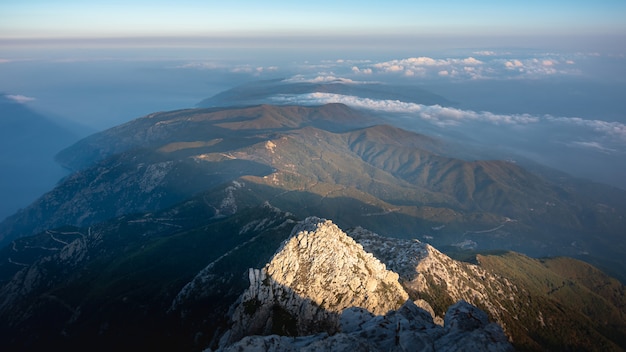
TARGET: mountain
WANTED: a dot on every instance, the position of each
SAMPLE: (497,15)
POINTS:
(262,92)
(28,144)
(169,234)
(192,277)
(542,304)
(344,299)
(334,162)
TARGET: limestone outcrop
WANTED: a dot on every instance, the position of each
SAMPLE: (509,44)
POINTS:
(323,291)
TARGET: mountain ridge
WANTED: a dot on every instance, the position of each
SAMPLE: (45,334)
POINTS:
(154,242)
(388,171)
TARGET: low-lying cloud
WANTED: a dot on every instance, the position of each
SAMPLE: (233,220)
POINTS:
(437,114)
(489,66)
(449,116)
(21,99)
(476,65)
(593,145)
(323,79)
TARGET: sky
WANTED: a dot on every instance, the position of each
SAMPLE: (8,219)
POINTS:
(21,19)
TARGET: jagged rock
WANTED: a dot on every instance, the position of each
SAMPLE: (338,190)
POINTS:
(468,329)
(317,273)
(325,292)
(426,271)
(410,328)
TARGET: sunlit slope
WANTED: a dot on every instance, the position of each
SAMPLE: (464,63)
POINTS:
(570,300)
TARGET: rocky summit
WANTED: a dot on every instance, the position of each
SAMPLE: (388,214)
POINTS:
(322,290)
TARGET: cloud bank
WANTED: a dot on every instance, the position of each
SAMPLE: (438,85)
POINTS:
(437,114)
(448,116)
(491,65)
(485,65)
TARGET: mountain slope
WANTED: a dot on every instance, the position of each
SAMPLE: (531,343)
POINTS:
(113,284)
(167,279)
(538,306)
(189,126)
(328,161)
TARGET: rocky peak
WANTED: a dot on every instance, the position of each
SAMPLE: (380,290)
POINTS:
(322,263)
(317,273)
(426,272)
(323,291)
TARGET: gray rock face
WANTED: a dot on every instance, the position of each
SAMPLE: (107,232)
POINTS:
(316,274)
(410,328)
(322,291)
(425,270)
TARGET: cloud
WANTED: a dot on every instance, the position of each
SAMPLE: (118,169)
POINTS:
(471,61)
(611,128)
(449,116)
(324,79)
(513,64)
(320,79)
(485,53)
(21,99)
(489,66)
(416,64)
(437,114)
(367,71)
(424,66)
(593,146)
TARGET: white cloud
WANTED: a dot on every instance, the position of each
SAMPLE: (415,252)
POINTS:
(513,64)
(593,146)
(612,128)
(319,79)
(435,113)
(356,69)
(471,61)
(448,116)
(490,66)
(416,64)
(485,53)
(325,79)
(22,99)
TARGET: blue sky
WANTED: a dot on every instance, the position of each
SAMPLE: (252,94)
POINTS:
(114,18)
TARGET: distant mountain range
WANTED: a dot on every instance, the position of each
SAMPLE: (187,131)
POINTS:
(150,239)
(260,92)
